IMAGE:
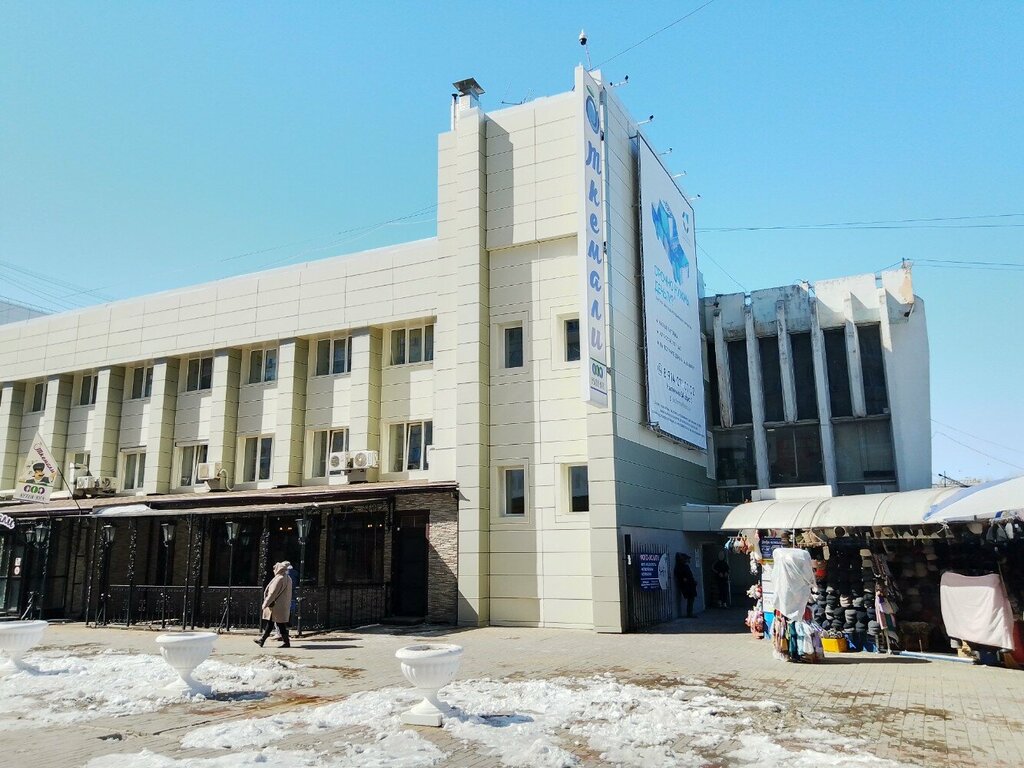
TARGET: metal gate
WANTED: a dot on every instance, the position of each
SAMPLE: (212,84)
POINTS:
(646,605)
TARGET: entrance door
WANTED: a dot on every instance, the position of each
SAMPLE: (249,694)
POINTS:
(409,594)
(14,567)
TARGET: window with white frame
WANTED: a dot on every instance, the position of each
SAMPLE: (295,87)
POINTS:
(142,382)
(191,456)
(78,463)
(572,339)
(326,442)
(513,491)
(134,470)
(38,397)
(87,389)
(256,455)
(410,445)
(512,346)
(262,365)
(414,344)
(578,488)
(333,356)
(199,374)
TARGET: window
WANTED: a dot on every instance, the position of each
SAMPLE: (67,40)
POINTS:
(200,374)
(876,396)
(357,544)
(794,455)
(714,395)
(803,376)
(513,346)
(513,491)
(191,457)
(79,464)
(864,454)
(734,458)
(87,389)
(38,397)
(838,367)
(333,356)
(257,452)
(262,365)
(326,442)
(142,382)
(572,340)
(771,378)
(579,489)
(410,445)
(134,470)
(412,345)
(740,377)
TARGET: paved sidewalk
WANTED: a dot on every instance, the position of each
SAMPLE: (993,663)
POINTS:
(910,711)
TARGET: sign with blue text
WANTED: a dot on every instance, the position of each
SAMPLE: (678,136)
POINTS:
(653,570)
(591,243)
(768,545)
(675,369)
(37,475)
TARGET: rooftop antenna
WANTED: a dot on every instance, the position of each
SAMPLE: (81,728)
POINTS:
(583,42)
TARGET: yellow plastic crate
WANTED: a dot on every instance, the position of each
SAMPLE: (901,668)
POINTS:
(834,645)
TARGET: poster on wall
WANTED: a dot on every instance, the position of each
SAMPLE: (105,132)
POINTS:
(675,372)
(38,474)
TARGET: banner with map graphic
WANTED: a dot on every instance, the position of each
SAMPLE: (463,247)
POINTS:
(675,372)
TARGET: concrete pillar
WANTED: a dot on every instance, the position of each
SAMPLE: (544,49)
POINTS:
(785,363)
(12,406)
(853,362)
(106,426)
(364,414)
(227,369)
(724,379)
(290,430)
(53,427)
(756,400)
(828,453)
(163,401)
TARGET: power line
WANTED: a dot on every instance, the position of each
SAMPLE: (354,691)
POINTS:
(936,222)
(653,34)
(970,448)
(965,432)
(715,262)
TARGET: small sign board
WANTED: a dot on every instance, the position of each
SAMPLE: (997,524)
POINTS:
(768,545)
(38,474)
(653,570)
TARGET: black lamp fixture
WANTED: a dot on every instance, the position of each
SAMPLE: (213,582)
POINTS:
(167,531)
(108,532)
(302,525)
(42,534)
(30,535)
(232,529)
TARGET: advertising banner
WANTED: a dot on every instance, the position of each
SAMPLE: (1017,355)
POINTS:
(653,570)
(675,374)
(38,474)
(594,348)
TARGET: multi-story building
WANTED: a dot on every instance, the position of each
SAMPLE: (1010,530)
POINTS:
(493,382)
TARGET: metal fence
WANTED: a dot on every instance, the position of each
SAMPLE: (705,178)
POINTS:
(645,607)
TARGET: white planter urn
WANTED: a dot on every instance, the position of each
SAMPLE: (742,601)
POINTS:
(16,638)
(184,651)
(428,667)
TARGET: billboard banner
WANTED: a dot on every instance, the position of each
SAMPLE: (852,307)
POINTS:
(675,372)
(594,348)
(38,474)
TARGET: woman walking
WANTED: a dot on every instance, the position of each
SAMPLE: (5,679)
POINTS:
(277,601)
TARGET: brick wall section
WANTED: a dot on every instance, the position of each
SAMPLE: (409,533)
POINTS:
(443,553)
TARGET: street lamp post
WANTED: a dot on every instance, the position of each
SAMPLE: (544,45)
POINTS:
(107,532)
(302,525)
(232,529)
(167,535)
(43,543)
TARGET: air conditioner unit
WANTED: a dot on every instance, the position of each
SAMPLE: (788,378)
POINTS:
(87,483)
(338,462)
(364,459)
(208,471)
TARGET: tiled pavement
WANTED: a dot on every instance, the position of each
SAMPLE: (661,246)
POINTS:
(912,711)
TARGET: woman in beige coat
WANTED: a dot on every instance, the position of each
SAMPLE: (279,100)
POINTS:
(277,601)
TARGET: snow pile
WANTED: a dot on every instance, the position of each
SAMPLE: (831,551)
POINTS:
(68,689)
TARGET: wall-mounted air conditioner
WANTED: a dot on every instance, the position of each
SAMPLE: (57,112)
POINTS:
(211,473)
(364,459)
(95,485)
(338,462)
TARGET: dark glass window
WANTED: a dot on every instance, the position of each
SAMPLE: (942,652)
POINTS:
(771,378)
(803,376)
(515,492)
(734,458)
(245,559)
(713,396)
(579,489)
(794,455)
(838,372)
(740,378)
(283,544)
(876,396)
(514,346)
(864,453)
(572,340)
(357,548)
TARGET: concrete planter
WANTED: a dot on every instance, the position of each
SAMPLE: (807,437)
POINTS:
(18,637)
(428,667)
(184,651)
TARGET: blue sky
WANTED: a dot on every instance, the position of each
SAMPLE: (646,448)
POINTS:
(146,146)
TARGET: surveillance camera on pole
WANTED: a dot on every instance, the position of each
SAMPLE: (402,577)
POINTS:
(583,42)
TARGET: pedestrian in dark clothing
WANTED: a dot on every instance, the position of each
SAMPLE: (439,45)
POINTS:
(686,583)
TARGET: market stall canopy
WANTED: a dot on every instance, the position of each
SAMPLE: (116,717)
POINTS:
(980,502)
(866,511)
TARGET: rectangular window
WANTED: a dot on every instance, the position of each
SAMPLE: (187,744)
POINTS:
(572,340)
(257,453)
(410,445)
(412,345)
(771,378)
(734,458)
(191,457)
(579,489)
(262,365)
(864,452)
(334,356)
(87,389)
(326,442)
(357,544)
(134,470)
(838,367)
(142,382)
(200,374)
(513,339)
(794,455)
(79,465)
(38,396)
(803,376)
(514,491)
(740,376)
(876,395)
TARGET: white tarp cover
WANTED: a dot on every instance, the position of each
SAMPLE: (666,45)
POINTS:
(793,578)
(979,502)
(975,609)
